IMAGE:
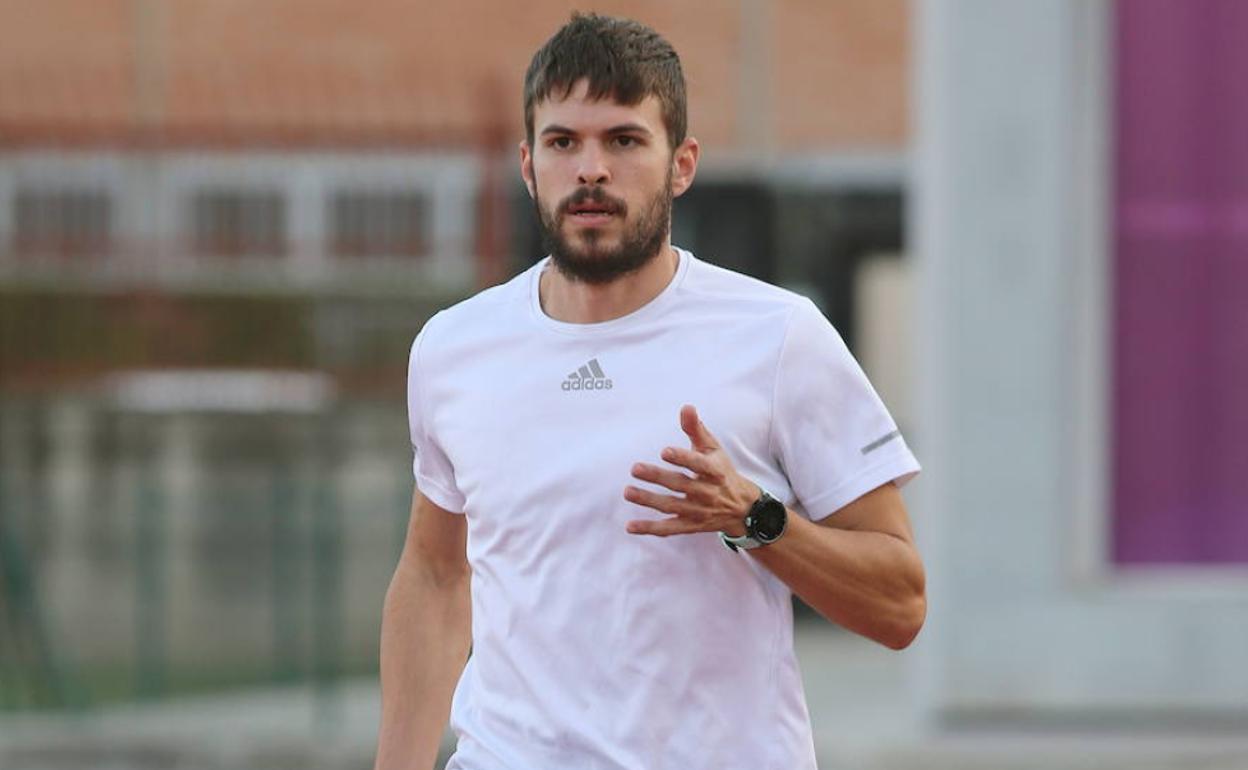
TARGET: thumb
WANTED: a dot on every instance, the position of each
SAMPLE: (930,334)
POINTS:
(695,429)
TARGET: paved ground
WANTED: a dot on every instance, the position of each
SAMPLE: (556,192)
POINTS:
(859,697)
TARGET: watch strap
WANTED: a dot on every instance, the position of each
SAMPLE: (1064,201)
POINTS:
(734,544)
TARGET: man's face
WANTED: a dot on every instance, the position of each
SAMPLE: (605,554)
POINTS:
(602,176)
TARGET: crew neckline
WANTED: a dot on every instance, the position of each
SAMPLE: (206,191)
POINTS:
(651,308)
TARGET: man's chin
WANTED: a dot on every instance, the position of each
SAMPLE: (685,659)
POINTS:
(598,266)
(592,237)
(595,246)
(598,251)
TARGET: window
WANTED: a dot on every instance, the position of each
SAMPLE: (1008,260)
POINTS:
(378,224)
(239,223)
(63,222)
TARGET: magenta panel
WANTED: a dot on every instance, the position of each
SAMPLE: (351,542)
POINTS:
(1180,368)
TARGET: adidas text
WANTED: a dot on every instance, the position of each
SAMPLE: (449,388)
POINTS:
(587,384)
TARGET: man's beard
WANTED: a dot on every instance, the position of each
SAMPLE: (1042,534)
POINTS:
(591,262)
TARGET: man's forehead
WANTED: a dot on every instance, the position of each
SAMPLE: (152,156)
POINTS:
(578,107)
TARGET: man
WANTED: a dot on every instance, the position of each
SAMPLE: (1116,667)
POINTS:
(626,461)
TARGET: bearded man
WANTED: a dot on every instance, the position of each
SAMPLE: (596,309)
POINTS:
(627,460)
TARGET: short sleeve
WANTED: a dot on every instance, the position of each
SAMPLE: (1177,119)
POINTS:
(831,432)
(435,476)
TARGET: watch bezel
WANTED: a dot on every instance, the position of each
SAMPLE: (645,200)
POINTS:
(766,510)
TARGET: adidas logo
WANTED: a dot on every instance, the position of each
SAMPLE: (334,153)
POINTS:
(588,377)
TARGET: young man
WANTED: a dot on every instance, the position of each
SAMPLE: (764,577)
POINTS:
(626,460)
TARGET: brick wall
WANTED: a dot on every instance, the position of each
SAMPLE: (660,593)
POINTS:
(771,74)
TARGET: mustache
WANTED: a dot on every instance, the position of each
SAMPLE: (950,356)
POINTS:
(593,195)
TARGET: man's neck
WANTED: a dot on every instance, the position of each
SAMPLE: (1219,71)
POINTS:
(582,303)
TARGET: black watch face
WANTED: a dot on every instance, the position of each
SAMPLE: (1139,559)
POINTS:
(768,519)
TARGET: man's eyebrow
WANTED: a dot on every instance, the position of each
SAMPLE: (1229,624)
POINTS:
(623,128)
(629,128)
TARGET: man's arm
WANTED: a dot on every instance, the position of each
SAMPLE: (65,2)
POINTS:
(858,567)
(426,632)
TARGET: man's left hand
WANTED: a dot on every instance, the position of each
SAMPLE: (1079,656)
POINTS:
(715,498)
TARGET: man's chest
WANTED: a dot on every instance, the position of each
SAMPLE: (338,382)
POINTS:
(528,424)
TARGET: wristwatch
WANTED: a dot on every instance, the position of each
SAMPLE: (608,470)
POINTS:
(764,524)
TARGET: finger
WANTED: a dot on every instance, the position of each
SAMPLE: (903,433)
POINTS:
(695,429)
(694,461)
(673,480)
(676,506)
(663,527)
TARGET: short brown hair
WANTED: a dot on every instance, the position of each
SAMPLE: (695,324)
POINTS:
(621,58)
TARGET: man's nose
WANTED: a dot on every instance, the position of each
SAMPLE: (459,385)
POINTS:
(592,168)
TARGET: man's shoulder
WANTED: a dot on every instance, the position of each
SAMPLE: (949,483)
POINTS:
(482,313)
(715,283)
(488,301)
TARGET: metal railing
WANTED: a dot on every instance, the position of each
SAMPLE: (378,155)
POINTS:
(147,555)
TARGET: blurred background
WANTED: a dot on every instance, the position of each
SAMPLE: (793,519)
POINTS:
(222,223)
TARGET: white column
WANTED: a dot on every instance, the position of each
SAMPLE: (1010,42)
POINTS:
(1011,417)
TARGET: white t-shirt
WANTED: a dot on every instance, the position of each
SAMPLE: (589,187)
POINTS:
(595,649)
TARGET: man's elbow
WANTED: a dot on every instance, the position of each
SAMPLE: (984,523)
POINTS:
(909,621)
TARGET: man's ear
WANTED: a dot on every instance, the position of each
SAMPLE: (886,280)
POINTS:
(526,168)
(684,165)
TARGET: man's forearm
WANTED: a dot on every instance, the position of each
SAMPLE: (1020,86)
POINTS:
(860,569)
(425,637)
(869,582)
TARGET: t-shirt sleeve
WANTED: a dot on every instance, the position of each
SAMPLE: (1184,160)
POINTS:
(831,432)
(435,476)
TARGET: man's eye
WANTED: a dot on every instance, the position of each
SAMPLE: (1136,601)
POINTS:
(625,141)
(561,142)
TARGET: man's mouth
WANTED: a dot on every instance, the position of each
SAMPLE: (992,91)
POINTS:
(587,212)
(592,208)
